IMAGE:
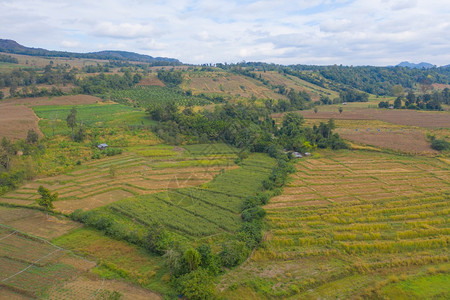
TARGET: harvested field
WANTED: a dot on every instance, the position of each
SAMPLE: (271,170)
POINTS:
(36,222)
(61,100)
(16,120)
(424,119)
(151,80)
(409,141)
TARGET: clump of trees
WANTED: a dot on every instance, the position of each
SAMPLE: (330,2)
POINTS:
(14,169)
(350,95)
(439,144)
(241,125)
(173,77)
(428,101)
(8,59)
(101,83)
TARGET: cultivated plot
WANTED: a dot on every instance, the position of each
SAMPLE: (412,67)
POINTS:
(349,221)
(101,182)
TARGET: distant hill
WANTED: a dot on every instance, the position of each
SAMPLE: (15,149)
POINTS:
(10,46)
(422,65)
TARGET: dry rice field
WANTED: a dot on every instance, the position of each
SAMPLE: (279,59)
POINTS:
(425,119)
(349,224)
(409,141)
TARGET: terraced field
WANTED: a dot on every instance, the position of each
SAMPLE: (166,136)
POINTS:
(352,224)
(210,209)
(101,182)
(32,267)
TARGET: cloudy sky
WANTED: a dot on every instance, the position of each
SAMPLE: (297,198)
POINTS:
(358,32)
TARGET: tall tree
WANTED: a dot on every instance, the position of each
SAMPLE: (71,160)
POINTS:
(47,198)
(72,119)
(32,137)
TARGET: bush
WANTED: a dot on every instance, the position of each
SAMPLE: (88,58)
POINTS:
(209,260)
(113,151)
(251,234)
(255,213)
(158,240)
(440,145)
(233,253)
(196,285)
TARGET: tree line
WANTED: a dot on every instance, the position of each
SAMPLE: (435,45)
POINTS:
(428,101)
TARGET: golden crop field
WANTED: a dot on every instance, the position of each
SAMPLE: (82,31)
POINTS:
(350,224)
(98,183)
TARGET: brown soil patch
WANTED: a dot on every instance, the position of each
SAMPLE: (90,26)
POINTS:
(16,120)
(36,222)
(151,80)
(405,141)
(68,206)
(62,100)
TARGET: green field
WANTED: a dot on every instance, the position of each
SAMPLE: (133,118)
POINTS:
(108,116)
(201,211)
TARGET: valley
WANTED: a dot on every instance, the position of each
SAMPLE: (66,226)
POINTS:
(198,194)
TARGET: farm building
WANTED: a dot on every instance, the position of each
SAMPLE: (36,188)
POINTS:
(102,146)
(296,155)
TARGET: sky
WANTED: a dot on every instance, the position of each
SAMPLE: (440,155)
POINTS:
(320,32)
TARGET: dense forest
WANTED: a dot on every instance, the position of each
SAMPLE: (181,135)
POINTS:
(374,80)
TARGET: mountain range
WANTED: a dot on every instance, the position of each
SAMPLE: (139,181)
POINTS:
(422,65)
(10,46)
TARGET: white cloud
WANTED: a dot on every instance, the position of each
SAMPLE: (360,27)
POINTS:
(123,30)
(200,31)
(70,44)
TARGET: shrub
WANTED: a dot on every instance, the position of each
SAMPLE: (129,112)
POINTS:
(158,240)
(255,213)
(233,253)
(440,145)
(196,285)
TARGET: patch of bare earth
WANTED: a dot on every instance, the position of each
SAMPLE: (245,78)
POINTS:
(151,80)
(16,120)
(62,100)
(36,222)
